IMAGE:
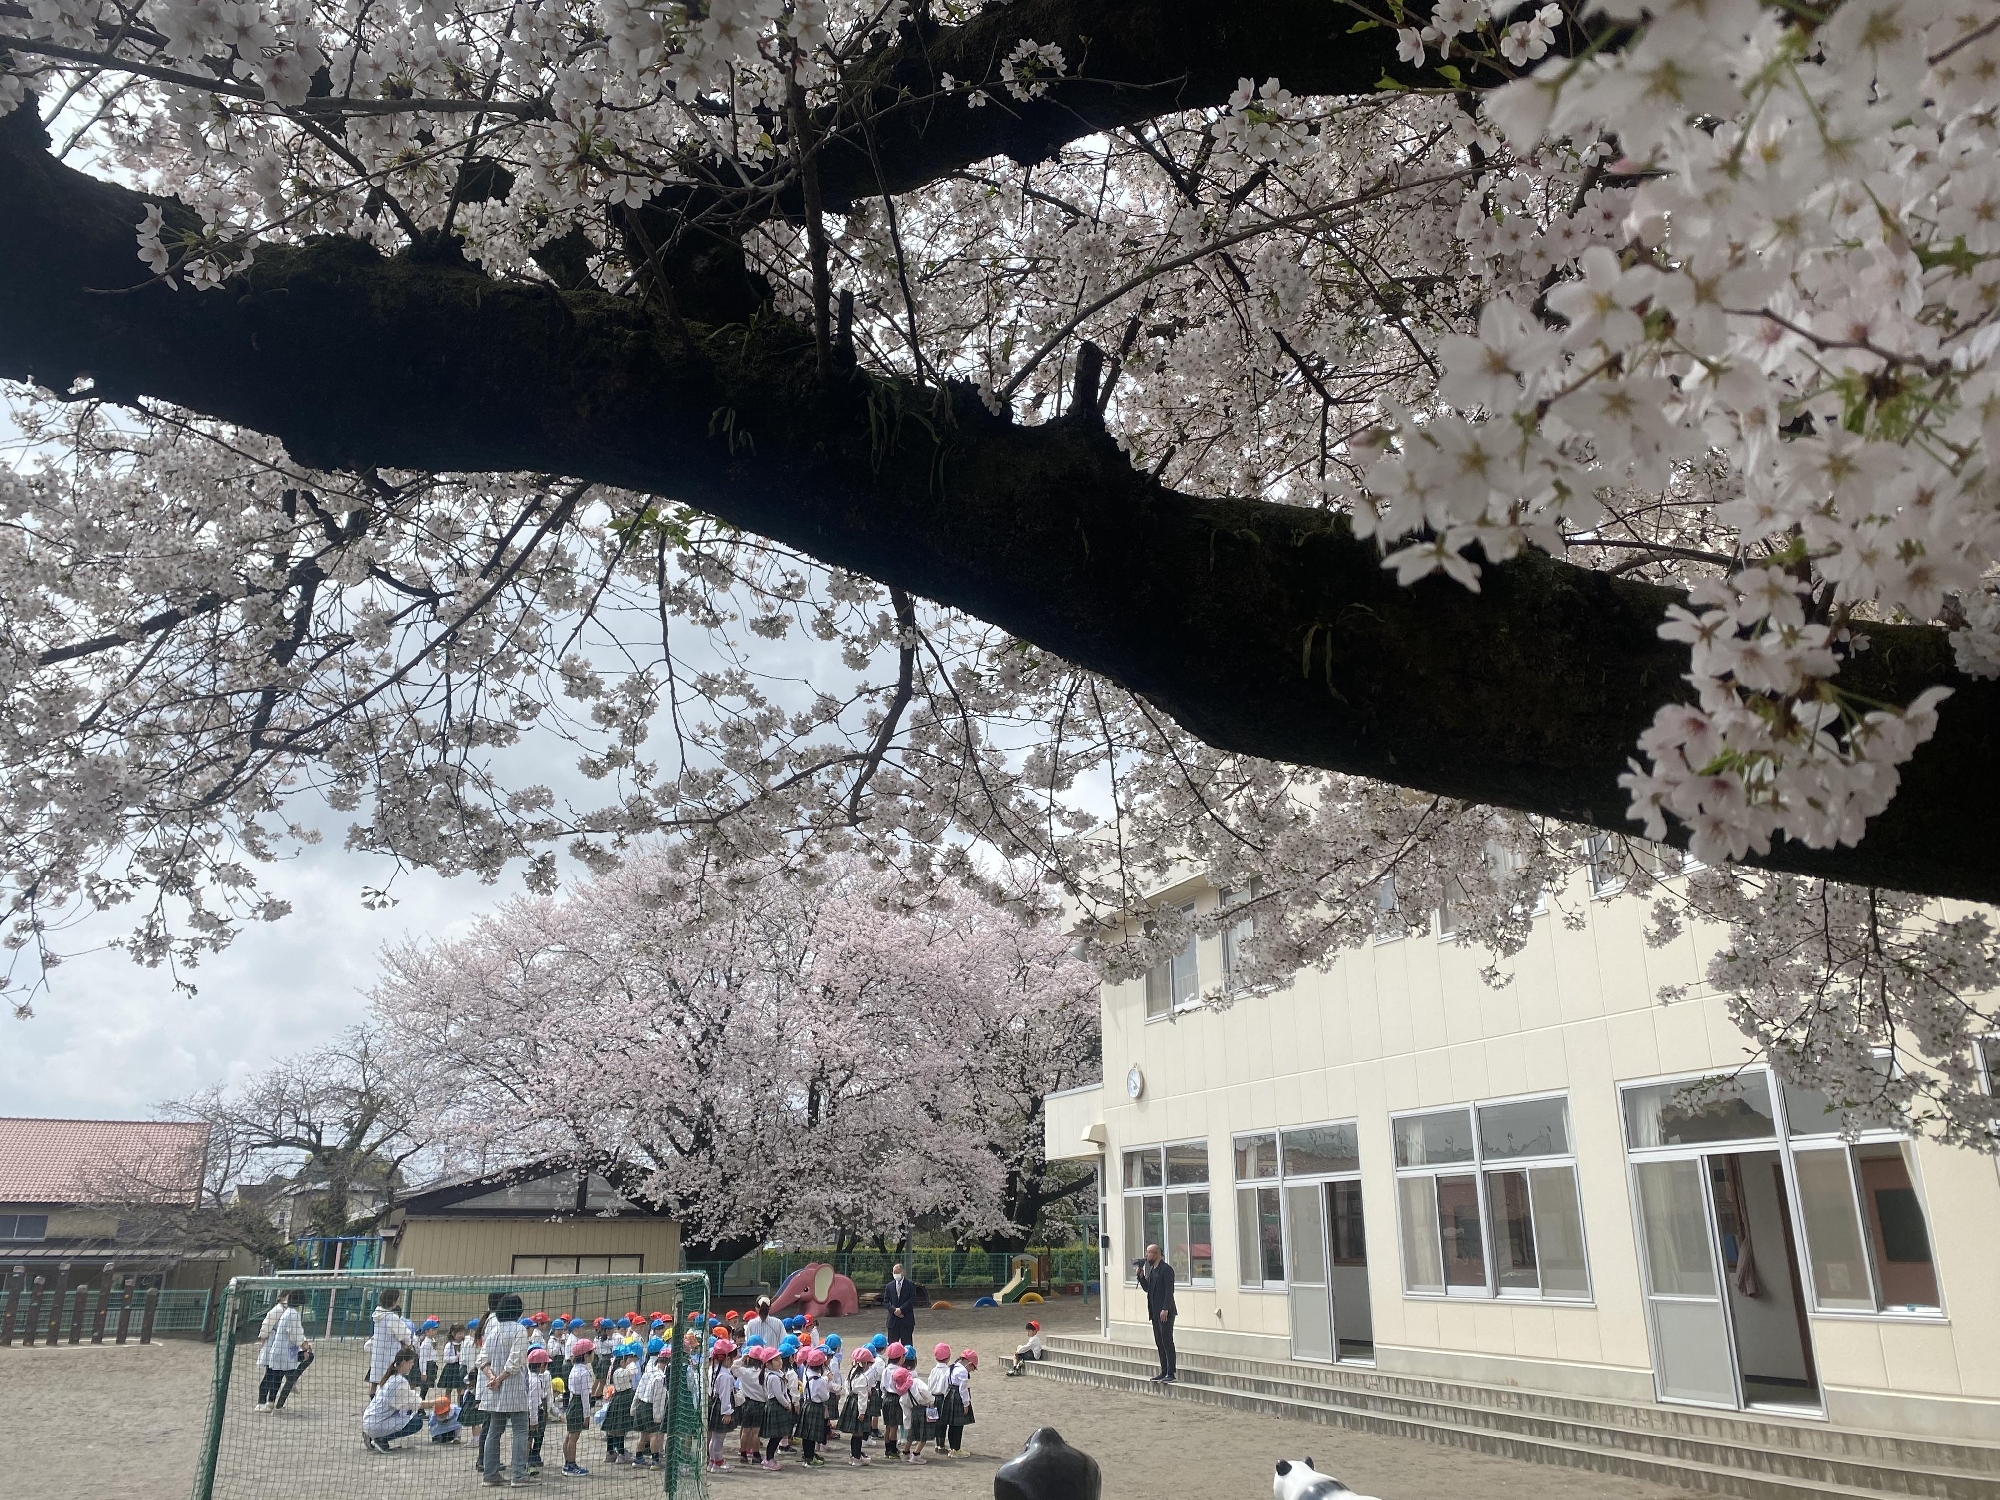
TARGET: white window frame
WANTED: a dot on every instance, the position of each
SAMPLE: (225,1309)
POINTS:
(1788,1147)
(1235,933)
(1596,850)
(13,1236)
(1390,911)
(612,1268)
(1479,1168)
(1175,1004)
(1274,1184)
(1285,1178)
(1184,1274)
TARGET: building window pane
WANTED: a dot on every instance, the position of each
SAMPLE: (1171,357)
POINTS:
(1271,1233)
(1833,1233)
(1235,937)
(24,1227)
(1249,1240)
(1441,1138)
(1559,1256)
(1459,1230)
(1896,1229)
(1256,1158)
(1533,1127)
(531,1265)
(1156,1224)
(1142,1168)
(1416,1209)
(1675,1220)
(1159,991)
(1201,1238)
(1322,1148)
(1135,1236)
(1187,1164)
(1176,1243)
(1721,1108)
(1811,1112)
(1513,1232)
(1306,1250)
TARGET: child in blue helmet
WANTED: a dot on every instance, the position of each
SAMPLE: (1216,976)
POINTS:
(788,1360)
(648,1396)
(618,1415)
(427,1357)
(836,1362)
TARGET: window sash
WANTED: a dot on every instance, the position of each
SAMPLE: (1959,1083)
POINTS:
(1256,1156)
(1487,1201)
(1855,1201)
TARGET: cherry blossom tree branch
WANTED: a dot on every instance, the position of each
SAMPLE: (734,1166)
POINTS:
(1261,628)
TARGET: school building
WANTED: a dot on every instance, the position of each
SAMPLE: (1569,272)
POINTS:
(1393,1183)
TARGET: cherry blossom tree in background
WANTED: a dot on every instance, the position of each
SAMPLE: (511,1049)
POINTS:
(827,1054)
(1338,448)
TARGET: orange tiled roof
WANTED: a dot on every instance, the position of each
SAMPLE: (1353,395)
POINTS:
(76,1161)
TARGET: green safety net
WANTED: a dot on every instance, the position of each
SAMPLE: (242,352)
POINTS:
(310,1447)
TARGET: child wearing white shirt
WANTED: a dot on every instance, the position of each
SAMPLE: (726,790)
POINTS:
(427,1358)
(390,1337)
(541,1403)
(392,1408)
(1025,1352)
(721,1403)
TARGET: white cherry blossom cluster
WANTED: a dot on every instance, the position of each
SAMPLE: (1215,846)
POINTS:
(1803,279)
(1771,744)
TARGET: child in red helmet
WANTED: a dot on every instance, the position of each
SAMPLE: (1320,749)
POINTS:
(1018,1365)
(955,1406)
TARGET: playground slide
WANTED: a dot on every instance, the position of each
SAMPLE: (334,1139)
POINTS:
(1014,1287)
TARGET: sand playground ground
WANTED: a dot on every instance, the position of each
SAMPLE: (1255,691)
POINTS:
(112,1423)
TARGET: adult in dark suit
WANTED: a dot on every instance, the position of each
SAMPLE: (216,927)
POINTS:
(899,1301)
(1157,1277)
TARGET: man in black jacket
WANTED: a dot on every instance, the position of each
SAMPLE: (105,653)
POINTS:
(899,1301)
(1157,1277)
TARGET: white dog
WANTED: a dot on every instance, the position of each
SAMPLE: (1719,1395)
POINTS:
(1297,1479)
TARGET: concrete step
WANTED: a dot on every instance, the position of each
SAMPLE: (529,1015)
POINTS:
(1613,1438)
(1759,1430)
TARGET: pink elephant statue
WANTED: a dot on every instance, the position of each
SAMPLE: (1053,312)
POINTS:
(818,1291)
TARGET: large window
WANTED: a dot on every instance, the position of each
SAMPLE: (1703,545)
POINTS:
(1167,1204)
(24,1226)
(1174,984)
(1866,1238)
(1262,1161)
(1486,1195)
(578,1265)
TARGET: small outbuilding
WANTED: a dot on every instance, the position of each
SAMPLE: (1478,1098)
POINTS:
(543,1218)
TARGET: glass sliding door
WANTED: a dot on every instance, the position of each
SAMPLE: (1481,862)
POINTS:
(1347,1247)
(1692,1357)
(1307,1286)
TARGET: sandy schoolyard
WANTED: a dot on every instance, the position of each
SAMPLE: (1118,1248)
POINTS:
(110,1423)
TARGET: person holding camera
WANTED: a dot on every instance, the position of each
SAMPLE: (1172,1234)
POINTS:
(1157,1277)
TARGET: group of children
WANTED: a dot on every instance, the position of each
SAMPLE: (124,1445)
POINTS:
(785,1383)
(617,1381)
(810,1388)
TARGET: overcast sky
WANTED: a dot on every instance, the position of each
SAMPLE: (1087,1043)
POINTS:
(112,1039)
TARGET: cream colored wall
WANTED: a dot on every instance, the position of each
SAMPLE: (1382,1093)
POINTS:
(1408,1024)
(1066,1119)
(487,1247)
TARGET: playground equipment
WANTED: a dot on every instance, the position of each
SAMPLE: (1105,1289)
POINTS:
(1025,1273)
(819,1291)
